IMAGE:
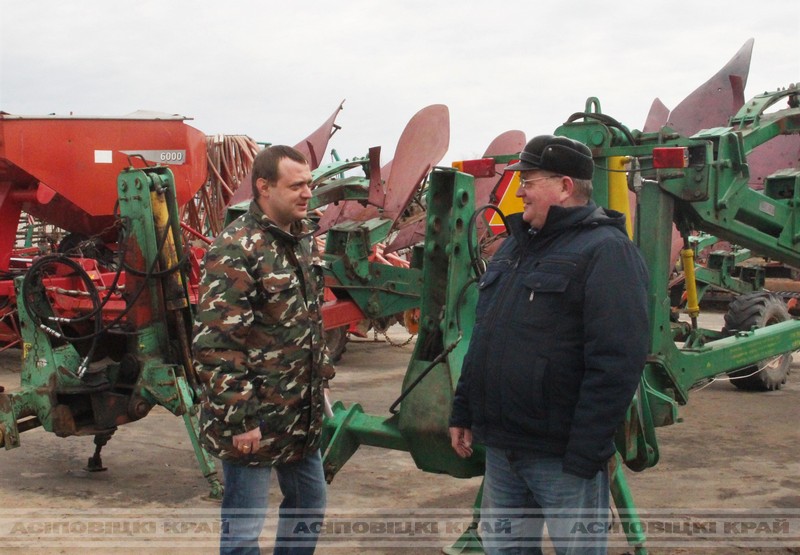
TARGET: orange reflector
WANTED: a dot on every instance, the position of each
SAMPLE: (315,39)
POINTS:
(670,157)
(477,168)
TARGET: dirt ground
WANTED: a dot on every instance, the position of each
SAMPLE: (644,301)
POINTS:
(733,450)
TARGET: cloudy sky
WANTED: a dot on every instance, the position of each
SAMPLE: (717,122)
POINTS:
(276,70)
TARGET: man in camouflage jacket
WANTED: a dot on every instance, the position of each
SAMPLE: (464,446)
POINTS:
(259,351)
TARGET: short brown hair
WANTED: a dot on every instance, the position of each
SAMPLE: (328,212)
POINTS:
(265,166)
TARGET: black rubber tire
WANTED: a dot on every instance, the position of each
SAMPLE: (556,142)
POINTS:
(336,341)
(757,310)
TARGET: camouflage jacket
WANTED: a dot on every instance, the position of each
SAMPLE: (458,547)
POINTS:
(258,343)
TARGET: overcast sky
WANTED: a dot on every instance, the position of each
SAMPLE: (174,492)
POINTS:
(276,70)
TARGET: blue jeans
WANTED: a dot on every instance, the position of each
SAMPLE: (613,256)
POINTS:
(244,507)
(523,491)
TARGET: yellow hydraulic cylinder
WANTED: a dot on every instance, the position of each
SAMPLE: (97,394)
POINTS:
(692,305)
(168,256)
(618,190)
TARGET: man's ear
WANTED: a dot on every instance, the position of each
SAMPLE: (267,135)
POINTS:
(263,186)
(567,187)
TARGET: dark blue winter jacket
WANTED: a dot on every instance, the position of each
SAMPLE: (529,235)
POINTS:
(560,339)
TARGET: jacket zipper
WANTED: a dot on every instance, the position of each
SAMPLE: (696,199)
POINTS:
(304,289)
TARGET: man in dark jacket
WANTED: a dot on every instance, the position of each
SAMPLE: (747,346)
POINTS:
(558,348)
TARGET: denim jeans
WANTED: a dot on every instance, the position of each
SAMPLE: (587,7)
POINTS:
(523,491)
(244,507)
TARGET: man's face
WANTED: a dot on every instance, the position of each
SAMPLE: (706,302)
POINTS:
(539,190)
(286,201)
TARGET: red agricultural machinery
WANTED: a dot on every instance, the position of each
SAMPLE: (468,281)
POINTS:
(101,308)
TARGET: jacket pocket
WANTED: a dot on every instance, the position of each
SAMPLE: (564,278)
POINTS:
(544,282)
(282,302)
(525,397)
(543,299)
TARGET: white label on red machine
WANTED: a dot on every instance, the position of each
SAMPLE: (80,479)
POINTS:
(102,156)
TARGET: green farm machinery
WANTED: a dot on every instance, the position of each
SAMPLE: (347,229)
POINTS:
(694,184)
(685,192)
(92,364)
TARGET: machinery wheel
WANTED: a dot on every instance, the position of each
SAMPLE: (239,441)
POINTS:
(758,310)
(336,340)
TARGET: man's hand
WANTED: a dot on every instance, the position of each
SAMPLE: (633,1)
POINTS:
(461,440)
(247,442)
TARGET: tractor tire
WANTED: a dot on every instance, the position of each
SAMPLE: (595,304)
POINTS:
(336,340)
(757,310)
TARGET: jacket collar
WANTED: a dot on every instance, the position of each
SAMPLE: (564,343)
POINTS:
(298,230)
(560,218)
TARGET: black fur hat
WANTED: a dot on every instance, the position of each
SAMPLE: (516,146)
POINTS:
(557,154)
